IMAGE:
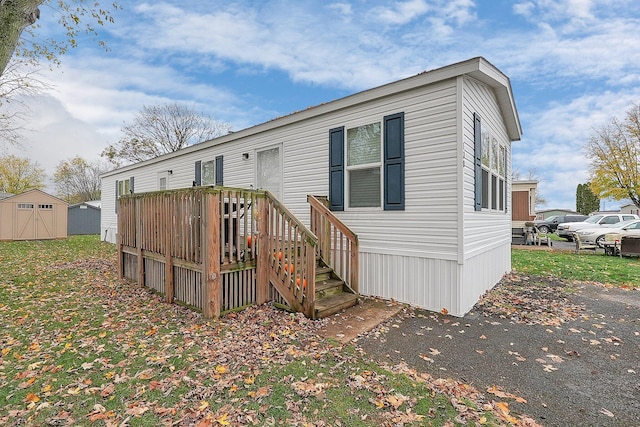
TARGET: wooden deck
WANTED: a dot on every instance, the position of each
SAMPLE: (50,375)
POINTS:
(221,249)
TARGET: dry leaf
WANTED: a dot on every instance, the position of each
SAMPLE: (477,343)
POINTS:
(607,412)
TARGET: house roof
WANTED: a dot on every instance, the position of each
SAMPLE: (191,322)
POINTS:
(4,195)
(478,68)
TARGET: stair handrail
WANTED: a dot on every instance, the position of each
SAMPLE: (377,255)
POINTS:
(337,244)
(292,248)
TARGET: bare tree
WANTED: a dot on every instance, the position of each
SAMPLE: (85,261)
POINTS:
(162,129)
(18,82)
(78,180)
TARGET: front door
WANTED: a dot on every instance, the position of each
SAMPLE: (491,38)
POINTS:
(269,171)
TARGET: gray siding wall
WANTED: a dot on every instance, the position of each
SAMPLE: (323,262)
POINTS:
(83,221)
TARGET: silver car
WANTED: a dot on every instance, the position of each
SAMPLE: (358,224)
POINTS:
(595,235)
(567,229)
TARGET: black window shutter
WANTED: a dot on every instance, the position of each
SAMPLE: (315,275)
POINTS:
(394,162)
(336,169)
(477,144)
(198,175)
(219,170)
(131,180)
(116,196)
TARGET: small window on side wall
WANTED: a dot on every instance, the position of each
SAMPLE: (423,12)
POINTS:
(490,170)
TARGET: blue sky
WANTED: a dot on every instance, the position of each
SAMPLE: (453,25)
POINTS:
(573,65)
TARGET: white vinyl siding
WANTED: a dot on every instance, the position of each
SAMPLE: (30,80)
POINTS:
(436,253)
(487,230)
(428,225)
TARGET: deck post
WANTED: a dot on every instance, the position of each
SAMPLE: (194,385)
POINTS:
(119,231)
(138,208)
(262,265)
(120,256)
(167,213)
(310,297)
(211,255)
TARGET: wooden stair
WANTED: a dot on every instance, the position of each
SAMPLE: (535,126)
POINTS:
(332,294)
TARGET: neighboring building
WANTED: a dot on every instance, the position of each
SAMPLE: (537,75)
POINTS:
(419,169)
(33,215)
(630,208)
(523,202)
(84,218)
(4,195)
(546,213)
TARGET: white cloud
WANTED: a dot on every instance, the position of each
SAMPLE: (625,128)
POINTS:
(401,12)
(524,8)
(344,9)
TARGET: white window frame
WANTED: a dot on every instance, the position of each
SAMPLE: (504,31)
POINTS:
(489,141)
(348,169)
(281,159)
(124,187)
(203,164)
(161,175)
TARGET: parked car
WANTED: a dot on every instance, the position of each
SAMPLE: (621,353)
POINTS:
(551,224)
(567,229)
(596,235)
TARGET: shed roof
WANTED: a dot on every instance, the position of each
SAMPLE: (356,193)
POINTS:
(478,68)
(34,192)
(87,204)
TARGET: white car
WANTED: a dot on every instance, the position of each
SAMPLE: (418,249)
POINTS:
(567,229)
(595,235)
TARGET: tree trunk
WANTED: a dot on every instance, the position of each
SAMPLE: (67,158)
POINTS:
(15,15)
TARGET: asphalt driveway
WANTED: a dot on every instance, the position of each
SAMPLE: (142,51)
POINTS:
(565,354)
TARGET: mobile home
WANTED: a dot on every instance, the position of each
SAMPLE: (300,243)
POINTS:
(419,169)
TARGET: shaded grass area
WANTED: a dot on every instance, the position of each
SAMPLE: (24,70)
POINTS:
(609,270)
(81,347)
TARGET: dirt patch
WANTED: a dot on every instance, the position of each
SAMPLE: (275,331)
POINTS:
(368,314)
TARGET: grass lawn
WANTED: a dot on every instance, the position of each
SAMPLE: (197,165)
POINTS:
(80,347)
(609,270)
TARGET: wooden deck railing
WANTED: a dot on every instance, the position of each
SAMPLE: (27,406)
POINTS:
(291,249)
(337,244)
(204,247)
(196,246)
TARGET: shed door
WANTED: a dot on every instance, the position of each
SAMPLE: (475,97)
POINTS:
(269,171)
(45,222)
(24,226)
(34,221)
